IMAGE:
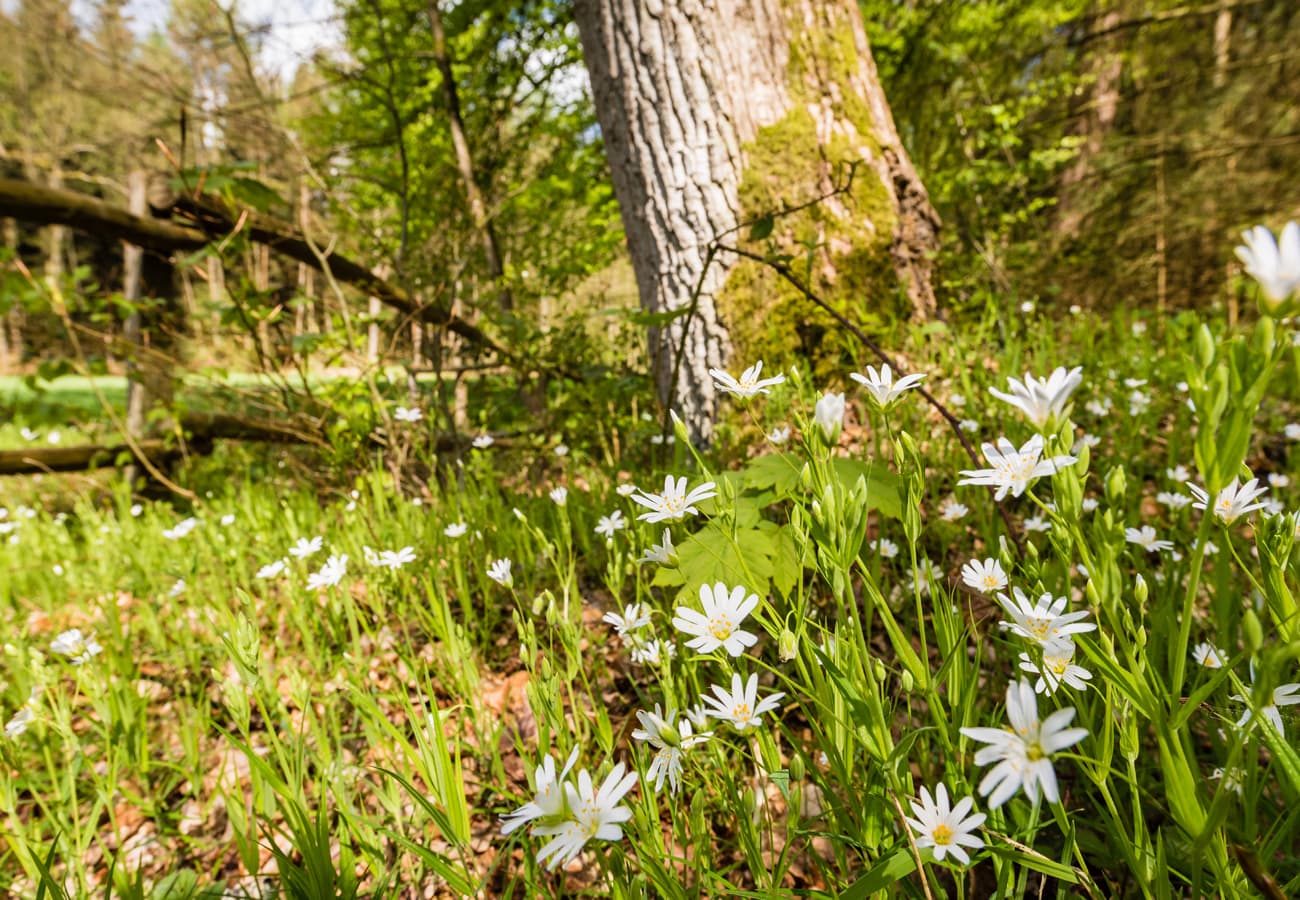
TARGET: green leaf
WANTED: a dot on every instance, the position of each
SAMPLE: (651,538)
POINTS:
(656,319)
(884,488)
(761,228)
(897,865)
(254,193)
(714,554)
(776,472)
(788,568)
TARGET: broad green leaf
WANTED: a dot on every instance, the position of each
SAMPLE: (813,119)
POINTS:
(884,489)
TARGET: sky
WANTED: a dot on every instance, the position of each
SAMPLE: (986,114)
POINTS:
(298,27)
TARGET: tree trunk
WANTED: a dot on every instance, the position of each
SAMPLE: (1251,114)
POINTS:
(1105,67)
(465,160)
(717,112)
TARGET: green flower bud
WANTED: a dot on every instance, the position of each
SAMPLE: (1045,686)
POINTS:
(908,682)
(1252,631)
(787,645)
(1141,591)
(797,768)
(1204,346)
(1116,485)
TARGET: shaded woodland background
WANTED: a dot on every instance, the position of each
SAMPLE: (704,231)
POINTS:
(1079,153)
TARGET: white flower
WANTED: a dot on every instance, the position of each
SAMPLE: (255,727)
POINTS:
(1044,621)
(1273,507)
(1283,695)
(779,435)
(660,553)
(182,528)
(1023,752)
(270,570)
(28,434)
(1013,469)
(73,644)
(957,400)
(54,437)
(748,385)
(372,558)
(649,653)
(610,524)
(177,589)
(330,574)
(1056,669)
(829,415)
(947,830)
(560,495)
(927,573)
(499,571)
(548,797)
(1178,474)
(135,510)
(884,390)
(950,510)
(986,577)
(1275,265)
(18,723)
(1099,408)
(1042,399)
(395,559)
(670,743)
(1138,403)
(633,617)
(305,548)
(1208,655)
(719,624)
(561,450)
(1232,502)
(408,414)
(1088,504)
(595,815)
(1145,537)
(969,425)
(1232,778)
(1173,501)
(1211,548)
(483,441)
(626,489)
(1278,480)
(1037,523)
(24,716)
(885,547)
(740,706)
(1292,430)
(675,502)
(455,529)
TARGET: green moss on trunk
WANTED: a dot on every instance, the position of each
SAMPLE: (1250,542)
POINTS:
(841,246)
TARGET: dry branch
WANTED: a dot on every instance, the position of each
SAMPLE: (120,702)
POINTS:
(212,220)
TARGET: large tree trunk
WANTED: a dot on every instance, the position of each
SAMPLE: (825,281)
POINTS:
(714,112)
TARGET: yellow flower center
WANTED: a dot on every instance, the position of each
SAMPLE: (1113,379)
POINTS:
(991,582)
(1039,628)
(740,712)
(1034,751)
(942,835)
(720,627)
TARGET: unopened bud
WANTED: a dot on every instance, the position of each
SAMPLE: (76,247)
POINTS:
(1140,590)
(797,772)
(1204,346)
(787,645)
(1252,631)
(1116,485)
(908,682)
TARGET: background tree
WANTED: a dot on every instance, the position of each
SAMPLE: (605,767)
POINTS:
(713,114)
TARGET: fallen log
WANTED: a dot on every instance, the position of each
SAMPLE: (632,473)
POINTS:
(33,460)
(211,220)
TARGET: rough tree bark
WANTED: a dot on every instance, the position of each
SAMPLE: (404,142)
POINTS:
(714,112)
